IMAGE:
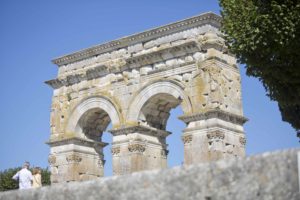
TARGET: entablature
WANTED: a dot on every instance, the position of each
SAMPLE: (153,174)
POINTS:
(146,130)
(200,20)
(216,113)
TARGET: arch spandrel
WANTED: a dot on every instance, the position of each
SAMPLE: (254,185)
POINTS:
(169,87)
(89,104)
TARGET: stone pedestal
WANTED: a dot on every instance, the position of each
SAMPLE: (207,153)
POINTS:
(213,135)
(138,148)
(75,159)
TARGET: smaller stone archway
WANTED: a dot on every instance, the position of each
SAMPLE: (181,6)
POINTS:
(100,107)
(80,157)
(142,146)
(169,88)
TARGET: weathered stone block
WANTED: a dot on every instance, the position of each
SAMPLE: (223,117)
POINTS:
(266,176)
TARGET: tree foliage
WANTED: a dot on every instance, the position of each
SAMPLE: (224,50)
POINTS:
(265,35)
(46,177)
(7,183)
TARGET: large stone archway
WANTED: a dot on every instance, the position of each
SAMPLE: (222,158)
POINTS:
(133,83)
(77,154)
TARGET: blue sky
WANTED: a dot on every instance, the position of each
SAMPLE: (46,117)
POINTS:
(33,32)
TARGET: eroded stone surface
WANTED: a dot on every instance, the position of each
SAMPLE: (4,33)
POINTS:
(267,176)
(133,83)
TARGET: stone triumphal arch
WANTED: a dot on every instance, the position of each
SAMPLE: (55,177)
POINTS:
(133,83)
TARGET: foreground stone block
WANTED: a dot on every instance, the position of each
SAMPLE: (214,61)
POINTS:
(267,176)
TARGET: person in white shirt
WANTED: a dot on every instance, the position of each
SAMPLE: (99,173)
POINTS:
(24,176)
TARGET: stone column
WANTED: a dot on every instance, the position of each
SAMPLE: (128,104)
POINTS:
(138,148)
(75,159)
(213,135)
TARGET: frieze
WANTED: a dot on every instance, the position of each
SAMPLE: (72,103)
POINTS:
(101,163)
(170,67)
(140,129)
(74,78)
(222,63)
(203,19)
(164,153)
(220,114)
(52,159)
(73,158)
(96,72)
(133,62)
(215,135)
(136,148)
(243,141)
(219,126)
(187,47)
(212,40)
(187,139)
(115,151)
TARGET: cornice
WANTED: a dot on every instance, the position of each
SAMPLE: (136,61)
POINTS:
(220,114)
(187,47)
(76,140)
(203,19)
(132,62)
(142,130)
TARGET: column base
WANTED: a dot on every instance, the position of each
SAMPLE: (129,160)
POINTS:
(138,148)
(213,136)
(75,159)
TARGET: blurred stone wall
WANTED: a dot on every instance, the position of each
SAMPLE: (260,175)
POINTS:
(267,176)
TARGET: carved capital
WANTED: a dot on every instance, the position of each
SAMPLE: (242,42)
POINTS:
(164,153)
(136,148)
(73,158)
(215,135)
(115,151)
(187,139)
(229,149)
(52,159)
(101,163)
(220,114)
(243,141)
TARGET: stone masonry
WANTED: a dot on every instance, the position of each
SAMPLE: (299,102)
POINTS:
(133,83)
(261,177)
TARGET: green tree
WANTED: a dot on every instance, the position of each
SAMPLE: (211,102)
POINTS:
(7,183)
(265,35)
(46,177)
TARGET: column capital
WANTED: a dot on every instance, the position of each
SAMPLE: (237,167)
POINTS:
(187,139)
(52,159)
(243,141)
(220,114)
(115,151)
(73,158)
(78,141)
(215,135)
(136,148)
